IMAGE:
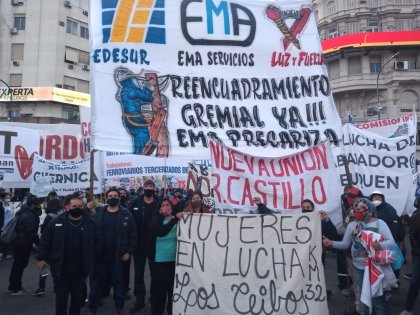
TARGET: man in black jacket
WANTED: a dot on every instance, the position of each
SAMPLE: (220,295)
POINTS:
(116,241)
(144,209)
(67,244)
(27,235)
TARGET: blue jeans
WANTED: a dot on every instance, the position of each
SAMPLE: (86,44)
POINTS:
(414,285)
(103,270)
(379,305)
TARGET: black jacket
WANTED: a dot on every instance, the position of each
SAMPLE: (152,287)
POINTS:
(143,228)
(329,230)
(387,213)
(414,233)
(160,229)
(126,233)
(1,215)
(27,226)
(51,248)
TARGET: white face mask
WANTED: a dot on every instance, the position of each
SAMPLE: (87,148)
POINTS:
(7,200)
(376,202)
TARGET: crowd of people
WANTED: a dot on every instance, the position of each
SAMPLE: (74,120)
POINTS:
(88,244)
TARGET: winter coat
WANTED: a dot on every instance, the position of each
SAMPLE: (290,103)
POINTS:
(51,248)
(27,226)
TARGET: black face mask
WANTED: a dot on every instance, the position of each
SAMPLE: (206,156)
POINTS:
(149,192)
(76,212)
(37,211)
(306,211)
(123,199)
(113,201)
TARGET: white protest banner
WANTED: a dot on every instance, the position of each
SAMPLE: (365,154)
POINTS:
(199,178)
(170,75)
(18,147)
(59,142)
(64,178)
(86,127)
(390,128)
(131,170)
(381,163)
(249,264)
(281,183)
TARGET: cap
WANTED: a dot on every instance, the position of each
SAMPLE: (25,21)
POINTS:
(377,192)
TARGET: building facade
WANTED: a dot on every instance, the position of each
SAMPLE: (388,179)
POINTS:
(43,44)
(360,39)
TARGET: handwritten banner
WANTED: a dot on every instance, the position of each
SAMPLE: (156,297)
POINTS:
(199,178)
(249,264)
(63,178)
(250,73)
(281,183)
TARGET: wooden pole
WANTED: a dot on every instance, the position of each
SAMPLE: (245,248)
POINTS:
(92,174)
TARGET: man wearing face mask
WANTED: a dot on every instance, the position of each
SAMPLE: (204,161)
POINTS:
(27,235)
(115,242)
(67,245)
(124,200)
(144,209)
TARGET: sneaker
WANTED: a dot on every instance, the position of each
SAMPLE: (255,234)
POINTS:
(21,291)
(408,276)
(39,292)
(406,313)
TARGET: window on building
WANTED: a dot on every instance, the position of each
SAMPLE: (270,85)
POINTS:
(353,28)
(354,65)
(375,64)
(331,8)
(84,31)
(14,113)
(404,24)
(71,55)
(351,3)
(72,27)
(372,3)
(70,113)
(16,79)
(373,26)
(17,51)
(408,100)
(412,65)
(83,57)
(334,69)
(332,32)
(373,110)
(19,22)
(83,86)
(69,83)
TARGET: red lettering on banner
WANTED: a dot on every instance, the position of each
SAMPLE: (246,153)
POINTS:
(262,168)
(318,199)
(236,161)
(86,129)
(229,189)
(262,194)
(274,185)
(216,186)
(53,144)
(283,188)
(247,193)
(70,144)
(249,163)
(290,204)
(321,156)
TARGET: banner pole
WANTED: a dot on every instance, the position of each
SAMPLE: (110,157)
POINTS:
(347,169)
(92,174)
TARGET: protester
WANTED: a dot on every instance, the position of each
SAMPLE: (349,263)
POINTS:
(196,204)
(327,227)
(363,212)
(27,235)
(163,252)
(414,234)
(124,201)
(6,207)
(115,242)
(67,244)
(143,209)
(182,203)
(54,207)
(176,197)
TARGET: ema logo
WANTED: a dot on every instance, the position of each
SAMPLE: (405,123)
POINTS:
(133,21)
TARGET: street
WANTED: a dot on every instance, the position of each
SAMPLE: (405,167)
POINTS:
(29,305)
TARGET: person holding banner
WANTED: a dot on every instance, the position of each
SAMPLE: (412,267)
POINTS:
(67,245)
(115,242)
(143,209)
(163,253)
(363,212)
(196,204)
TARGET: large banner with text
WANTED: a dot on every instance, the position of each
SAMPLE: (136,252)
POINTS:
(249,264)
(281,183)
(170,75)
(63,178)
(18,146)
